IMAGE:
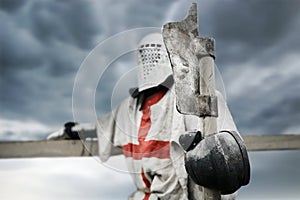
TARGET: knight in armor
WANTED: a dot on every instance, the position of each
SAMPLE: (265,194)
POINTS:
(154,137)
(148,128)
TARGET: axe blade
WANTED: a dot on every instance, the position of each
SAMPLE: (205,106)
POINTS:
(185,49)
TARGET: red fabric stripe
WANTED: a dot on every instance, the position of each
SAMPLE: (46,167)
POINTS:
(151,148)
(147,183)
(145,125)
(147,149)
(154,98)
(147,196)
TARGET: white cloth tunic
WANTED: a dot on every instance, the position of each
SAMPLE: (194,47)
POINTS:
(148,135)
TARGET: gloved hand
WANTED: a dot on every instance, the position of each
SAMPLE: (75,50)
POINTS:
(189,140)
(65,133)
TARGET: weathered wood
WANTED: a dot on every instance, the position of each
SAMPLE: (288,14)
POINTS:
(272,142)
(75,148)
(50,148)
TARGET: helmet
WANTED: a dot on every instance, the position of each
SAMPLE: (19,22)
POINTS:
(220,162)
(153,62)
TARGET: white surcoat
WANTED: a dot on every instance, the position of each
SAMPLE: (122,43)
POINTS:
(158,169)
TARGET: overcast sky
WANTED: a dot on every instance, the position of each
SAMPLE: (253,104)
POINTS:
(44,42)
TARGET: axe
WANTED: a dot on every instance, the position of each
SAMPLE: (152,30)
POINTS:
(192,60)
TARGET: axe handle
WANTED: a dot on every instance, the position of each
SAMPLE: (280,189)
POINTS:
(209,124)
(207,87)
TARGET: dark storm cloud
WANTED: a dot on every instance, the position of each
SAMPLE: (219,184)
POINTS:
(284,113)
(19,49)
(274,111)
(257,42)
(279,120)
(11,5)
(40,31)
(119,16)
(43,42)
(67,22)
(42,46)
(151,15)
(250,22)
(34,96)
(244,30)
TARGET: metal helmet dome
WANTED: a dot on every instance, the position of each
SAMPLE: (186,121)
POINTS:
(153,62)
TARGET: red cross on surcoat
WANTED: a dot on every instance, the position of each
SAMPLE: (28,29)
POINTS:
(149,148)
